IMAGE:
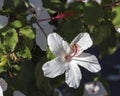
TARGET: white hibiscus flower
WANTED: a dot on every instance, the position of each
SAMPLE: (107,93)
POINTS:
(69,57)
(18,93)
(3,86)
(94,89)
(41,13)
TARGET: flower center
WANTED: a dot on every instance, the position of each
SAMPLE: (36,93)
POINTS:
(75,49)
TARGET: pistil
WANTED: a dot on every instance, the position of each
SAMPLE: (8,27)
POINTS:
(75,50)
(59,15)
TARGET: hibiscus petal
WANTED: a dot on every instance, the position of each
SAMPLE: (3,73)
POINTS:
(73,75)
(41,39)
(83,40)
(70,1)
(1,3)
(57,45)
(18,93)
(98,1)
(48,28)
(3,84)
(54,68)
(1,91)
(3,21)
(88,61)
(37,5)
(94,89)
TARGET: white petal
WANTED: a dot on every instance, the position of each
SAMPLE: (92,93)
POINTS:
(3,84)
(1,91)
(97,87)
(85,1)
(18,93)
(70,1)
(54,68)
(98,1)
(83,40)
(73,75)
(117,29)
(41,39)
(28,17)
(88,61)
(45,24)
(3,21)
(37,5)
(1,3)
(57,45)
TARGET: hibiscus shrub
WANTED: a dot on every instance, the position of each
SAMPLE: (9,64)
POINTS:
(29,38)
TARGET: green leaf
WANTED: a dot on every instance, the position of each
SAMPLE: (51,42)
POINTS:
(25,52)
(116,16)
(8,4)
(19,6)
(109,44)
(55,5)
(42,82)
(77,7)
(16,67)
(17,24)
(70,29)
(50,55)
(93,13)
(3,60)
(10,39)
(23,48)
(101,33)
(27,32)
(2,48)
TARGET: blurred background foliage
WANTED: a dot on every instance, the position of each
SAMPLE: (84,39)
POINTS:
(21,59)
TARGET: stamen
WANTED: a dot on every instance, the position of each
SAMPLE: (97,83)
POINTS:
(75,49)
(59,15)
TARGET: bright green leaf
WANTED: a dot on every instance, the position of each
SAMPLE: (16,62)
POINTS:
(3,60)
(25,52)
(17,24)
(10,39)
(2,48)
(116,16)
(50,55)
(27,32)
